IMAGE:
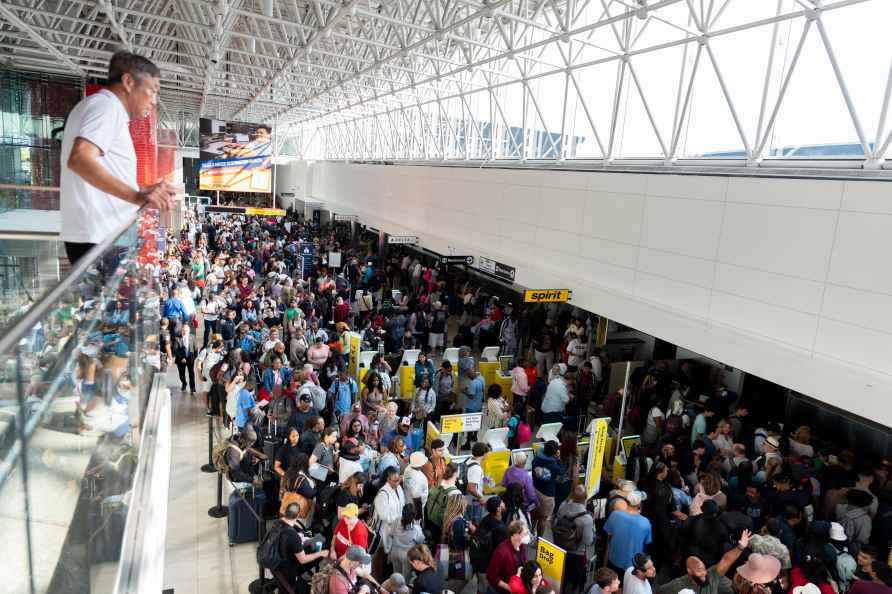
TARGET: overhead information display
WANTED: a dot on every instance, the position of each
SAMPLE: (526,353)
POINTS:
(235,156)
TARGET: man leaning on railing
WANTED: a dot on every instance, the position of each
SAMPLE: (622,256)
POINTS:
(98,188)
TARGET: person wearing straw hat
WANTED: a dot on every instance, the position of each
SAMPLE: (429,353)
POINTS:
(756,574)
(415,482)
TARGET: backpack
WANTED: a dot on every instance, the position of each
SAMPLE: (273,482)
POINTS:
(216,372)
(481,547)
(462,482)
(292,496)
(435,508)
(218,455)
(566,533)
(269,553)
(327,569)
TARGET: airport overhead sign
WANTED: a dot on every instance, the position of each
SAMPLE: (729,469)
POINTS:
(466,260)
(497,269)
(547,295)
(345,218)
(402,239)
(247,210)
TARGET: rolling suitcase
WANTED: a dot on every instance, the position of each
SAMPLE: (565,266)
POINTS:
(244,510)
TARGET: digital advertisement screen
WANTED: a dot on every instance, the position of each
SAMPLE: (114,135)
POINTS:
(235,156)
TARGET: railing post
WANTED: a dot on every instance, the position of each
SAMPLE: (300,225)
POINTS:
(219,510)
(209,467)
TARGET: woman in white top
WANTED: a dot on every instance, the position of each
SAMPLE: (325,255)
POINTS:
(425,400)
(654,425)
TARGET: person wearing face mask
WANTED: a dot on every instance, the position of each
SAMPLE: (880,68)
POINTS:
(703,580)
(508,557)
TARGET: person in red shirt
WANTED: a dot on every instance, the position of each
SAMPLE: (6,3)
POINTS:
(350,531)
(528,580)
(812,572)
(508,557)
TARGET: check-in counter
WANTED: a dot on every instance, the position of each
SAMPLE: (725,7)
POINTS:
(407,373)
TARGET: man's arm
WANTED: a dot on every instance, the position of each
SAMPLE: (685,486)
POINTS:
(732,554)
(83,160)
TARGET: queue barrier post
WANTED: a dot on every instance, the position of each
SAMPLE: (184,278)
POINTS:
(219,510)
(209,467)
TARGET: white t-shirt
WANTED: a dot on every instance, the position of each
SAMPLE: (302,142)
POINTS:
(575,352)
(650,430)
(88,214)
(475,475)
(632,585)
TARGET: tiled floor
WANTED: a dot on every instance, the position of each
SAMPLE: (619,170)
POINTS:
(198,556)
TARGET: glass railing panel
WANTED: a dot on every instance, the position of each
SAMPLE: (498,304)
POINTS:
(85,354)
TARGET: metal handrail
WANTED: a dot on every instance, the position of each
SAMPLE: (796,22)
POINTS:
(22,325)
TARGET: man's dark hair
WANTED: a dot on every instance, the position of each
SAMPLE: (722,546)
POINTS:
(478,449)
(265,127)
(129,63)
(492,504)
(605,576)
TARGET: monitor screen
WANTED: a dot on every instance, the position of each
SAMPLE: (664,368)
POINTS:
(235,156)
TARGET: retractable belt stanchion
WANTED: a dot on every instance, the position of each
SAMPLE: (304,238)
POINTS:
(219,510)
(259,585)
(209,467)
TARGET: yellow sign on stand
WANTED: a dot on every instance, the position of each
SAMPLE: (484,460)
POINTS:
(272,212)
(461,423)
(430,434)
(551,558)
(597,448)
(353,363)
(494,466)
(546,296)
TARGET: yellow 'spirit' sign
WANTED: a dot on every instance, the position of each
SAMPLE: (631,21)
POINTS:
(546,295)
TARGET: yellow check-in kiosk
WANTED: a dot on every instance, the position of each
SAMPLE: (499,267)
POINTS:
(407,373)
(365,362)
(489,365)
(355,340)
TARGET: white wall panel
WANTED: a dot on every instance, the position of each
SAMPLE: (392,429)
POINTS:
(616,216)
(681,226)
(794,241)
(782,278)
(863,245)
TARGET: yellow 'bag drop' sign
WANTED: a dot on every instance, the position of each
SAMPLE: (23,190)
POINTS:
(546,295)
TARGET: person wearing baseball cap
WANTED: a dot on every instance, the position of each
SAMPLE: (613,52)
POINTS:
(353,564)
(705,580)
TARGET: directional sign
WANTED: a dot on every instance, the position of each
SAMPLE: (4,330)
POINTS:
(307,252)
(466,260)
(247,210)
(403,239)
(467,423)
(345,218)
(546,295)
(497,268)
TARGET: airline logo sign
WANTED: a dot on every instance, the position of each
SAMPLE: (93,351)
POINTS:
(497,269)
(547,295)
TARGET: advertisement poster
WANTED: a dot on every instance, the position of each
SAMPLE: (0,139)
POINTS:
(551,558)
(494,466)
(235,156)
(595,460)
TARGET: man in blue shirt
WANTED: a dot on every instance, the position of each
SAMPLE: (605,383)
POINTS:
(344,390)
(629,533)
(247,408)
(175,312)
(474,392)
(546,472)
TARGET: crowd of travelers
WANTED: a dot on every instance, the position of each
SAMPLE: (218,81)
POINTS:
(714,498)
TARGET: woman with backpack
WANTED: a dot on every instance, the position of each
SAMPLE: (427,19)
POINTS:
(404,538)
(456,537)
(298,487)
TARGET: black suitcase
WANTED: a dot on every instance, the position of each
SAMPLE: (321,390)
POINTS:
(242,522)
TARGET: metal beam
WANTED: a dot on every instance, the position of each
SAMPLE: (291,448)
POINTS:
(21,25)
